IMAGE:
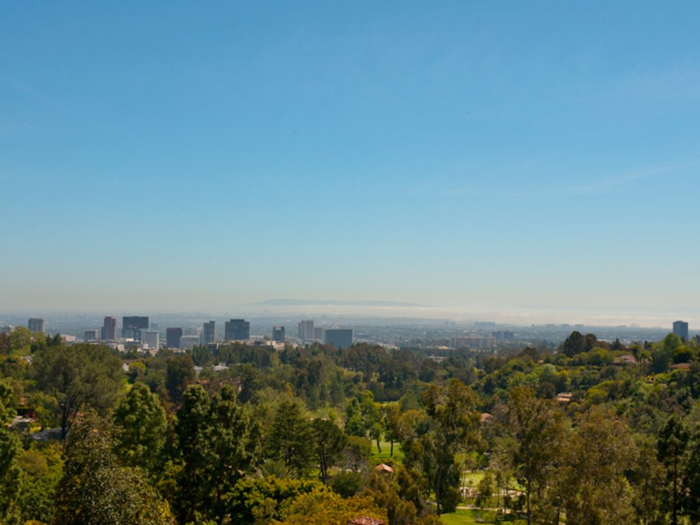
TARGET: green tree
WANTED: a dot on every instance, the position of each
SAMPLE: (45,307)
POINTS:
(10,450)
(329,442)
(42,468)
(201,355)
(323,507)
(646,477)
(96,490)
(180,374)
(451,427)
(7,402)
(76,377)
(392,424)
(692,480)
(593,487)
(578,343)
(141,428)
(672,445)
(537,430)
(263,500)
(195,437)
(236,448)
(291,437)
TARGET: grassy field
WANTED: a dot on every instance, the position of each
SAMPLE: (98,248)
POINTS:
(473,477)
(386,452)
(465,517)
(472,517)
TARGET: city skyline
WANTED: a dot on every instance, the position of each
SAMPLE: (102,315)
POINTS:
(528,163)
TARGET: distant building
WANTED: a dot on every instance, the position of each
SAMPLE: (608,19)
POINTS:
(172,337)
(150,338)
(7,329)
(90,336)
(132,326)
(209,332)
(503,335)
(109,329)
(237,330)
(318,333)
(474,342)
(680,328)
(188,341)
(338,337)
(278,334)
(36,325)
(306,330)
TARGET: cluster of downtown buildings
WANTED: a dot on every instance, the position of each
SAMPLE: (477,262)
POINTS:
(138,330)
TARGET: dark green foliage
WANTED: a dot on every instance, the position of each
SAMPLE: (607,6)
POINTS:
(10,450)
(291,437)
(141,428)
(194,431)
(451,427)
(180,374)
(357,452)
(329,442)
(672,445)
(347,483)
(201,355)
(217,446)
(261,500)
(535,429)
(96,490)
(42,469)
(691,500)
(593,488)
(76,377)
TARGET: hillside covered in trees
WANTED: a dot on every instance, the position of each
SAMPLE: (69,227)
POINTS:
(590,433)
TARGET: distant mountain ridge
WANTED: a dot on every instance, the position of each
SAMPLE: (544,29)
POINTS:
(320,302)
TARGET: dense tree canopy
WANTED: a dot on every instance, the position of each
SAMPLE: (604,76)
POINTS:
(590,432)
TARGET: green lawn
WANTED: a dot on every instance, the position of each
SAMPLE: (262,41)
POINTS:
(473,477)
(465,517)
(472,517)
(386,450)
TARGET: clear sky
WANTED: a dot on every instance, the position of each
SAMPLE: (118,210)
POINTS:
(511,157)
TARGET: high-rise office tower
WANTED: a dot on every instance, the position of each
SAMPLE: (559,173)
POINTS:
(680,328)
(36,325)
(109,329)
(338,337)
(132,326)
(237,330)
(150,338)
(90,335)
(172,337)
(209,332)
(278,334)
(306,331)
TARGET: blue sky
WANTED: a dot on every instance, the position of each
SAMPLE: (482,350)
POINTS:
(533,159)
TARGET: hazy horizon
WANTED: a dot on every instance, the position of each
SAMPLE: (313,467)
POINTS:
(522,316)
(534,162)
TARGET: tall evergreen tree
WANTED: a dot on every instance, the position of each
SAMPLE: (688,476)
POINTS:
(291,437)
(672,445)
(141,428)
(194,430)
(96,490)
(329,442)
